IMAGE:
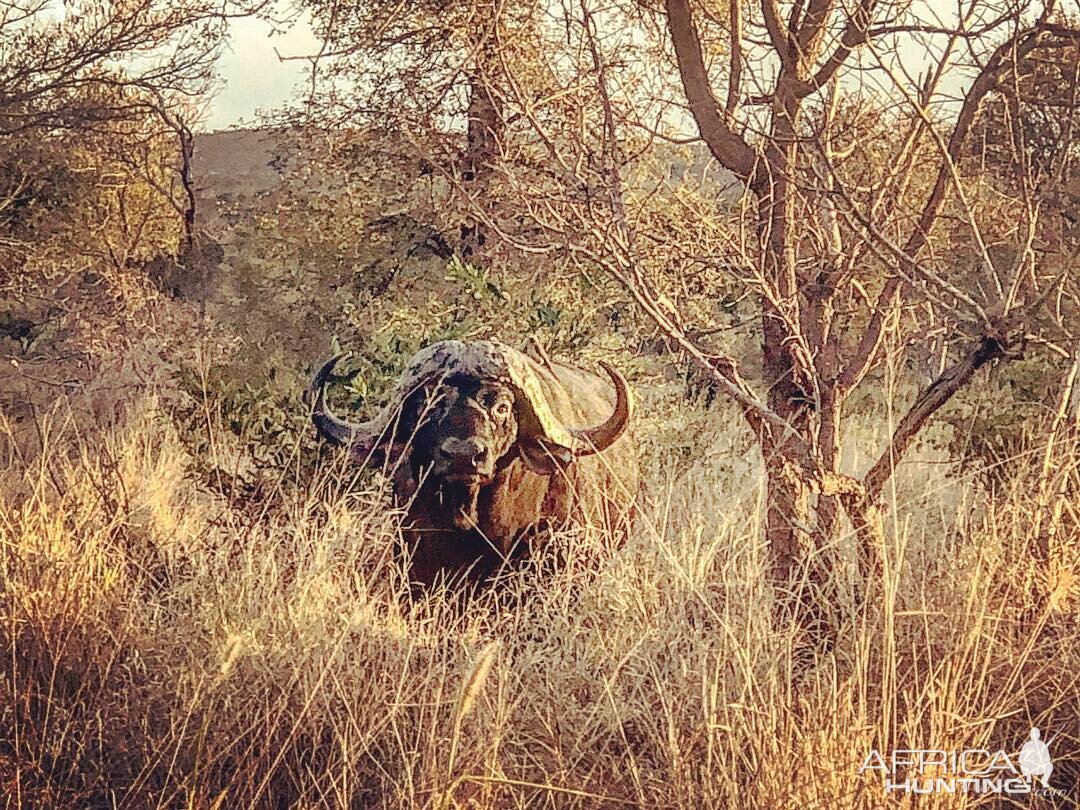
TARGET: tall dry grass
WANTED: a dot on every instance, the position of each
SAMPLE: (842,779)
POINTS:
(163,647)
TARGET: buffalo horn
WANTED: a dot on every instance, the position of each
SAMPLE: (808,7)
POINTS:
(362,437)
(599,438)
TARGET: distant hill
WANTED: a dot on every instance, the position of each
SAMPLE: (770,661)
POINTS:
(235,166)
(242,164)
(237,161)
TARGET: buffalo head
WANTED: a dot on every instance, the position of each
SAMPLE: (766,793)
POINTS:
(463,412)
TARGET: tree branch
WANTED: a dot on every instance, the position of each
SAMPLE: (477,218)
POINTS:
(812,26)
(1018,47)
(777,35)
(726,145)
(989,348)
(855,34)
(735,60)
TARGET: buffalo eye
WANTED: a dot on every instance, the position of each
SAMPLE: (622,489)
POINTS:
(501,409)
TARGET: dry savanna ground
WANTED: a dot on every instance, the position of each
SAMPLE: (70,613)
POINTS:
(166,646)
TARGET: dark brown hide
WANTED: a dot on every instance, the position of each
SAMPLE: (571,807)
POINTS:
(540,483)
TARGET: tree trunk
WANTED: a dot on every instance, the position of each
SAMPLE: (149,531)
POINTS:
(482,149)
(187,183)
(828,506)
(788,519)
(787,516)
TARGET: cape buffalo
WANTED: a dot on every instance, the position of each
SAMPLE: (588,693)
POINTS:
(489,447)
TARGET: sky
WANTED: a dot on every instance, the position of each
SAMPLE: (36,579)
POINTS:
(252,75)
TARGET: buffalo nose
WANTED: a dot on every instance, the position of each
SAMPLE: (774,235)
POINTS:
(465,452)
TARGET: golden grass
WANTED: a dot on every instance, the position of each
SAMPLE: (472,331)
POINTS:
(163,648)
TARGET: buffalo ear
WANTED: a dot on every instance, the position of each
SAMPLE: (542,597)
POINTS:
(543,458)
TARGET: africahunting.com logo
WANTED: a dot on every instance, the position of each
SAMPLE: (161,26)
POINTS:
(974,770)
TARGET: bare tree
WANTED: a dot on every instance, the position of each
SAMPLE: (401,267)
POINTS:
(418,68)
(794,172)
(88,65)
(863,215)
(104,70)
